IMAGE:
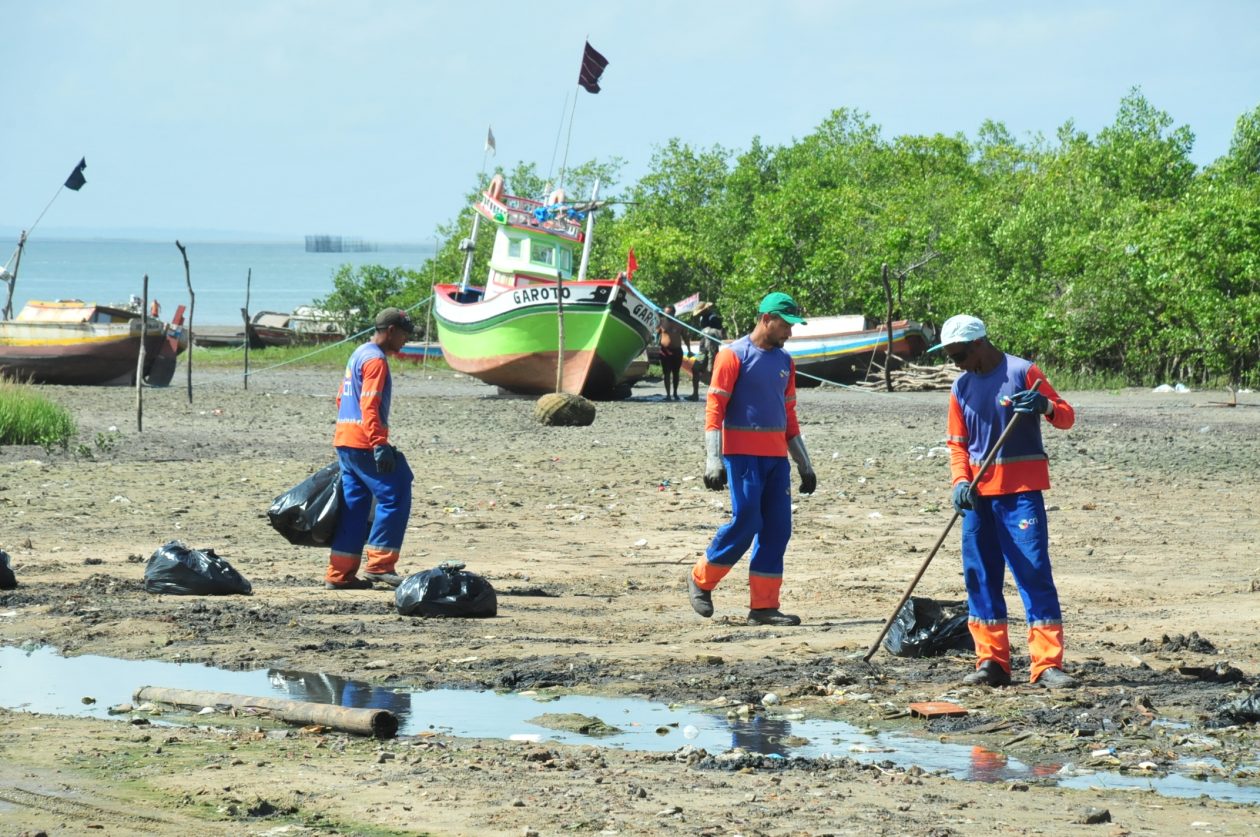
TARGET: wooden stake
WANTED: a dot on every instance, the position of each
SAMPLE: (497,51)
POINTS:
(249,275)
(144,335)
(192,306)
(560,329)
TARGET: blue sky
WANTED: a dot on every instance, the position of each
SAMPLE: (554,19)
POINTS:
(368,119)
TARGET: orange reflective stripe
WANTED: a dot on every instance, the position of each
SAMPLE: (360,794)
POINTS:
(708,575)
(769,442)
(380,560)
(341,567)
(763,591)
(993,642)
(1045,648)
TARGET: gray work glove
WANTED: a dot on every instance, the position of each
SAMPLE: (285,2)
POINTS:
(384,456)
(796,449)
(964,497)
(714,470)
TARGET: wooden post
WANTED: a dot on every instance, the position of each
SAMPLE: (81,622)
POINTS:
(249,275)
(192,306)
(889,319)
(144,335)
(560,329)
(428,332)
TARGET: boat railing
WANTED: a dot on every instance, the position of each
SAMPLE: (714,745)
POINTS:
(522,212)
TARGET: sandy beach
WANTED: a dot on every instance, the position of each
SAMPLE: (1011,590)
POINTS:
(587,535)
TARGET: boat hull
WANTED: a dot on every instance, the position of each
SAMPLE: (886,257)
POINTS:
(846,357)
(512,339)
(75,353)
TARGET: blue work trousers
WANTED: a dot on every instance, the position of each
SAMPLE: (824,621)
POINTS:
(1009,530)
(361,483)
(761,515)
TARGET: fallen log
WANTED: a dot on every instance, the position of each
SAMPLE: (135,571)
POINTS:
(380,723)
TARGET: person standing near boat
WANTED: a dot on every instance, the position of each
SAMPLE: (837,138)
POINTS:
(371,468)
(750,431)
(1004,515)
(672,339)
(713,333)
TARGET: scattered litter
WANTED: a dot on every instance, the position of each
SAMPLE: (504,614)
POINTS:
(1245,710)
(641,542)
(936,709)
(875,515)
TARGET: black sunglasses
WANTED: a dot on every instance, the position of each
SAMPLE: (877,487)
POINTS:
(960,355)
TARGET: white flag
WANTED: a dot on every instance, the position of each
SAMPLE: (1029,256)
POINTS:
(490,140)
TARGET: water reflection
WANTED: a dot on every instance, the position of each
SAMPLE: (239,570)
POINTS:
(339,691)
(759,734)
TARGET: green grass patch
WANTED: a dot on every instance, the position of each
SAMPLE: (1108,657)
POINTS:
(306,357)
(28,418)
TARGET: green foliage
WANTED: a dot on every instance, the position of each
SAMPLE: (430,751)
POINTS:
(28,418)
(359,293)
(1109,258)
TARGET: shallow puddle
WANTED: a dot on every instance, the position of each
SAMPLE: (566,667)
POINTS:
(40,680)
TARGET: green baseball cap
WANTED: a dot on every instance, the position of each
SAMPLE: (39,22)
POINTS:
(782,306)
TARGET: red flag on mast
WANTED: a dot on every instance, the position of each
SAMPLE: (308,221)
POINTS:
(632,264)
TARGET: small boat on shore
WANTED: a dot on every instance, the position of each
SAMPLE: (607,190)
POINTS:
(81,343)
(842,348)
(419,350)
(508,333)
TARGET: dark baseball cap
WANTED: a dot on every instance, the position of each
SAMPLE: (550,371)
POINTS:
(395,317)
(782,306)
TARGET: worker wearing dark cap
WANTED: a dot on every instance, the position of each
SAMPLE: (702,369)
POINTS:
(371,468)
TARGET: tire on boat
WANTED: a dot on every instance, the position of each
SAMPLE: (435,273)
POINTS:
(563,409)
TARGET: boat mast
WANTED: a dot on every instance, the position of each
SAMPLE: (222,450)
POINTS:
(590,229)
(469,246)
(10,279)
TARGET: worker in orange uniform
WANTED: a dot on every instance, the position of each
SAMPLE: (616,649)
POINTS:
(750,430)
(1004,515)
(371,468)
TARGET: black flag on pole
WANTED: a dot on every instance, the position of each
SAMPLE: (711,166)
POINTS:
(593,65)
(76,179)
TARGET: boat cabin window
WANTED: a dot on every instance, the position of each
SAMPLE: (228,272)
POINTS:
(514,248)
(564,259)
(542,253)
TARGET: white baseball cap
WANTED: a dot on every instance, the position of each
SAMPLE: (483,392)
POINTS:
(960,328)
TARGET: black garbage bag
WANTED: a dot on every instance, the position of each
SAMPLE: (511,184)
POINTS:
(8,580)
(306,514)
(180,571)
(928,628)
(446,590)
(1244,710)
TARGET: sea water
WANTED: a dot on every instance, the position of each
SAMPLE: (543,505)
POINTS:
(282,275)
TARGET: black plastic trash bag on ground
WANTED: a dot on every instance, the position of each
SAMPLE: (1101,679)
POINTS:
(180,571)
(306,514)
(1244,710)
(446,590)
(928,628)
(8,580)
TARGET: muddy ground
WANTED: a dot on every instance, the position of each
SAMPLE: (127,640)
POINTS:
(587,535)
